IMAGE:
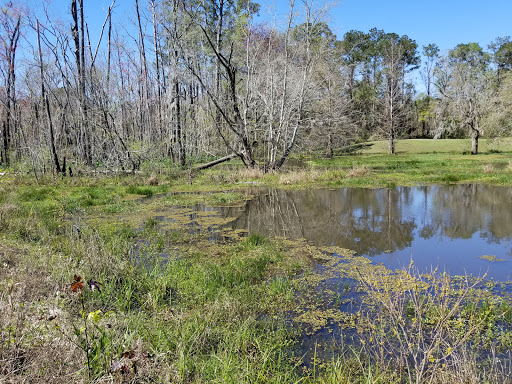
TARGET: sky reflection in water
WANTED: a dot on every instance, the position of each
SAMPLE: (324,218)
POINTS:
(448,227)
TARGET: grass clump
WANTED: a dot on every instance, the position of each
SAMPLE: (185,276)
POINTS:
(255,240)
(140,190)
(358,171)
(488,168)
(162,307)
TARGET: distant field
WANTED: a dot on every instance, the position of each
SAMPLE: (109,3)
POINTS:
(440,146)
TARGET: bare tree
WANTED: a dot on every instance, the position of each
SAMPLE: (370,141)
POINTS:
(399,57)
(10,22)
(463,81)
(47,105)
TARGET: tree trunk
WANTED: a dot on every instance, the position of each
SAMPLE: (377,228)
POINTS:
(47,103)
(215,162)
(330,146)
(85,123)
(391,144)
(475,134)
(179,133)
(157,62)
(5,134)
(143,81)
(79,42)
(10,99)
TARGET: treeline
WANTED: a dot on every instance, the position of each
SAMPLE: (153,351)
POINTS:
(187,81)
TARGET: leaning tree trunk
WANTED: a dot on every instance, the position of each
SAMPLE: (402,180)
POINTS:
(230,111)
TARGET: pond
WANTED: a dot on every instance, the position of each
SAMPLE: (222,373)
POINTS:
(460,229)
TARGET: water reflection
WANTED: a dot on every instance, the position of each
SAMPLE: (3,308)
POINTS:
(448,227)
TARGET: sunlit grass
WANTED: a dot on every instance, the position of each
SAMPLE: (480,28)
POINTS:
(455,146)
(420,169)
(184,309)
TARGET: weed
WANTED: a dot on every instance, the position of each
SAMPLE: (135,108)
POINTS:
(299,177)
(255,240)
(358,171)
(150,223)
(449,178)
(140,190)
(488,168)
(153,180)
(251,174)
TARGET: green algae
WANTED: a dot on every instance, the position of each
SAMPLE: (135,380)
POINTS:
(173,212)
(491,258)
(317,319)
(216,199)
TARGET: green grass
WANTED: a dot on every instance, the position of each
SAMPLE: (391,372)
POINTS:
(419,169)
(183,309)
(454,146)
(417,162)
(187,315)
(146,190)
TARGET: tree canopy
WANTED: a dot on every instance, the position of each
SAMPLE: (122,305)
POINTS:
(202,80)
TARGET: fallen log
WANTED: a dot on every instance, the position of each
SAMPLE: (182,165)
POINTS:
(215,162)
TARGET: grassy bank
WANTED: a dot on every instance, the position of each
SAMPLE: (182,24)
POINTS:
(94,289)
(169,306)
(418,162)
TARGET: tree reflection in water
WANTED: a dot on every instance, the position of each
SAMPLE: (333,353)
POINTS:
(445,226)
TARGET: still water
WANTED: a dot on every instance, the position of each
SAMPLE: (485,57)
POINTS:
(444,227)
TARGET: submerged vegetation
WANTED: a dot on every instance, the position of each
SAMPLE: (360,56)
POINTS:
(94,287)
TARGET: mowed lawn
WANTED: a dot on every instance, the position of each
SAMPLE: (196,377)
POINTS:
(461,146)
(421,162)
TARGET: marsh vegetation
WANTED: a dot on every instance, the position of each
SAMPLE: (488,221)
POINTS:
(153,278)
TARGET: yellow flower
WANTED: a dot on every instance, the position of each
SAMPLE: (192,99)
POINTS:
(94,316)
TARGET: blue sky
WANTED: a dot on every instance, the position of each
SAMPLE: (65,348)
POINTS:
(446,23)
